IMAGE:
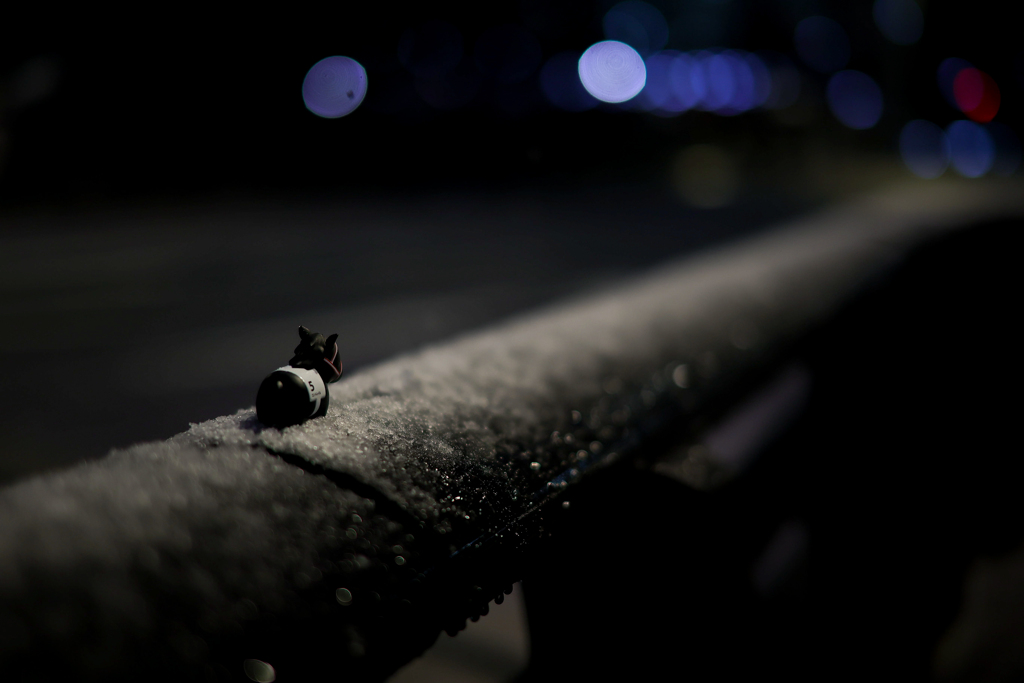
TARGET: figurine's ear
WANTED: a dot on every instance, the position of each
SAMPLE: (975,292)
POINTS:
(304,332)
(331,341)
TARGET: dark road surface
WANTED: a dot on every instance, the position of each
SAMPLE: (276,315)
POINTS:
(125,325)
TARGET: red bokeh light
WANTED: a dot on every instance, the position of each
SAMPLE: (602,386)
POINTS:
(976,94)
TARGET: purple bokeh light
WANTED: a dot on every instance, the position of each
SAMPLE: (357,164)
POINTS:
(727,83)
(855,99)
(744,94)
(687,81)
(659,95)
(971,149)
(612,71)
(334,87)
(720,81)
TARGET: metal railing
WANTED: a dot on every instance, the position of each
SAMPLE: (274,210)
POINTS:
(346,544)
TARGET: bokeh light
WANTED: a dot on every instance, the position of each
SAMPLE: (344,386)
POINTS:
(637,24)
(508,54)
(1008,148)
(822,44)
(901,21)
(334,87)
(612,71)
(561,85)
(976,94)
(971,149)
(946,74)
(658,95)
(719,79)
(687,81)
(924,148)
(727,83)
(855,99)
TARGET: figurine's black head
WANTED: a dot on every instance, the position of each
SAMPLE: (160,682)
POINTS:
(316,353)
(298,391)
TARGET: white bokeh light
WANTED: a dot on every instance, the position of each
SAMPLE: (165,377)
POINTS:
(612,71)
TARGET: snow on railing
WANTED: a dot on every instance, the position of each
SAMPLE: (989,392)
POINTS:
(349,542)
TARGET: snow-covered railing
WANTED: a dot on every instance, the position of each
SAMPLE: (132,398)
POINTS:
(351,541)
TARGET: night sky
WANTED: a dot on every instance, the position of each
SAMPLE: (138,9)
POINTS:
(110,105)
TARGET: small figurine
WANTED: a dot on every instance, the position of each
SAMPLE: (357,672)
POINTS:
(298,391)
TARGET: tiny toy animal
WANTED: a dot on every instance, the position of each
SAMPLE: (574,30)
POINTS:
(297,392)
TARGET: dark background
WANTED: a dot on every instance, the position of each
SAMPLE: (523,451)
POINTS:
(170,211)
(107,106)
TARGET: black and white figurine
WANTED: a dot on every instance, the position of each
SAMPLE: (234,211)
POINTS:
(298,391)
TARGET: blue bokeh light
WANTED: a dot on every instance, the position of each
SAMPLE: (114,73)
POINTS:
(658,95)
(720,81)
(971,148)
(561,85)
(638,24)
(728,83)
(924,148)
(822,43)
(612,71)
(687,81)
(901,21)
(855,99)
(696,79)
(745,90)
(946,74)
(334,87)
